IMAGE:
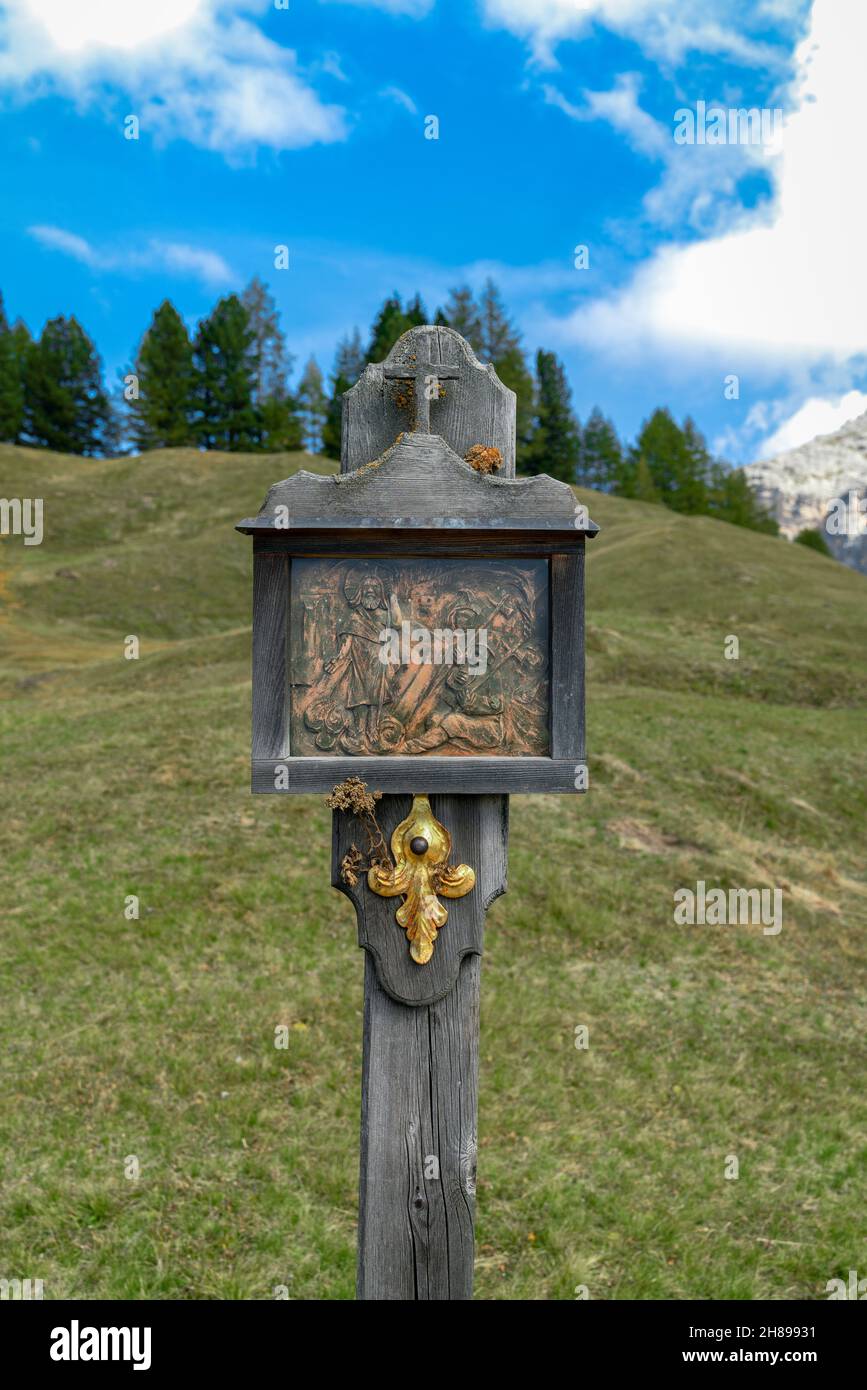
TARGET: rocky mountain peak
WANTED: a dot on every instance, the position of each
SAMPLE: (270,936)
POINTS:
(818,483)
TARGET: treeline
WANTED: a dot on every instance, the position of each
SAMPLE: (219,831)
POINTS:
(226,386)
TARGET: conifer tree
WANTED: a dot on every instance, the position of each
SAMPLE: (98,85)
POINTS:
(392,321)
(278,426)
(272,364)
(11,383)
(644,488)
(555,444)
(23,339)
(416,313)
(601,454)
(731,499)
(500,343)
(222,354)
(162,415)
(463,315)
(65,405)
(498,335)
(312,406)
(348,367)
(693,490)
(814,540)
(677,460)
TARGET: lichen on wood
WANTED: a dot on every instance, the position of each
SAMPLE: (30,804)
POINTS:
(484,458)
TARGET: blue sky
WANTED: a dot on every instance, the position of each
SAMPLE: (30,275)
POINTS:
(305,126)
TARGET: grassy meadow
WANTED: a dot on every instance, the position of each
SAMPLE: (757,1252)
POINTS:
(153,1038)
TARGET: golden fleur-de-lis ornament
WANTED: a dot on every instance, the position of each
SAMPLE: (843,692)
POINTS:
(421,847)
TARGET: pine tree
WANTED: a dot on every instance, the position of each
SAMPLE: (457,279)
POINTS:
(162,414)
(462,313)
(11,383)
(313,406)
(222,354)
(555,444)
(601,454)
(65,405)
(348,367)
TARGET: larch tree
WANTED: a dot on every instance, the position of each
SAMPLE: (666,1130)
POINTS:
(312,406)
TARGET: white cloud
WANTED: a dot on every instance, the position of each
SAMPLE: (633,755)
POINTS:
(699,181)
(74,28)
(56,239)
(330,63)
(401,97)
(666,29)
(620,108)
(197,70)
(183,259)
(172,257)
(785,285)
(816,416)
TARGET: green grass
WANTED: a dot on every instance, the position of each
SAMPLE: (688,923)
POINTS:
(155,1037)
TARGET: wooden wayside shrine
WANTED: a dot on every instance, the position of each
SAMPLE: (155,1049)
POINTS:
(418,624)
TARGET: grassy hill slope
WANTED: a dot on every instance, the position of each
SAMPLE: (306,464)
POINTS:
(154,1038)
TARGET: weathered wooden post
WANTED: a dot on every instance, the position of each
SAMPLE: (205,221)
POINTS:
(418,623)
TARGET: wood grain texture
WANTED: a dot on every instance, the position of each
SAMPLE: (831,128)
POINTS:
(567,656)
(407,774)
(270,623)
(420,1086)
(419,482)
(476,409)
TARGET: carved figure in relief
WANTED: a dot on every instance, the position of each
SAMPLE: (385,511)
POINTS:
(469,709)
(419,656)
(355,687)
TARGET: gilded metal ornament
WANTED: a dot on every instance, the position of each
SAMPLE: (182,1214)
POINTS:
(421,847)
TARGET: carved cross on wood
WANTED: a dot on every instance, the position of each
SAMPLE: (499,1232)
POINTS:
(424,376)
